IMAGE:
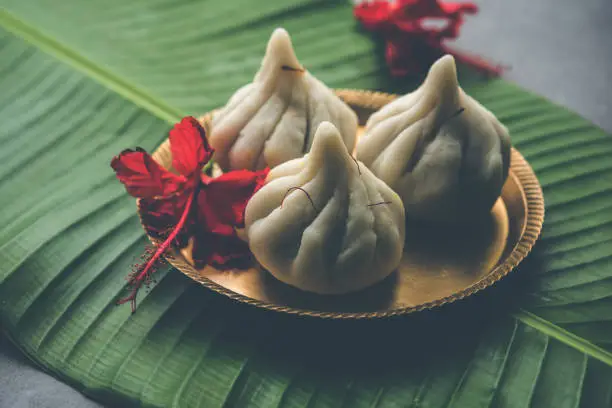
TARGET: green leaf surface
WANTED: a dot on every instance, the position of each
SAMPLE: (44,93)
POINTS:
(80,81)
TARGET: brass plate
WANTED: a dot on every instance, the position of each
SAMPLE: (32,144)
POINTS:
(439,265)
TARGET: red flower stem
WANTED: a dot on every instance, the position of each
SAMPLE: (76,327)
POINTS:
(381,203)
(166,244)
(138,279)
(303,191)
(289,68)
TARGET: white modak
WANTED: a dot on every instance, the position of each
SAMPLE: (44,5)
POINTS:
(273,119)
(324,223)
(443,153)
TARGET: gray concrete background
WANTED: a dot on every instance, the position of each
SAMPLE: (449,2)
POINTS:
(561,49)
(557,48)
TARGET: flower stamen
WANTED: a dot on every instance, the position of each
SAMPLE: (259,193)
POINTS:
(143,271)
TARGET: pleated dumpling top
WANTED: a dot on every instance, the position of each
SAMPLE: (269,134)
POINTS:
(324,223)
(439,149)
(273,119)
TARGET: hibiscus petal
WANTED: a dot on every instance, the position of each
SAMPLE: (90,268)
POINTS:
(412,45)
(189,146)
(202,249)
(373,14)
(220,251)
(458,8)
(160,217)
(210,218)
(231,253)
(224,198)
(142,176)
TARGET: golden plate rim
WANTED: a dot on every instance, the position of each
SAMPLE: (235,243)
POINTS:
(372,100)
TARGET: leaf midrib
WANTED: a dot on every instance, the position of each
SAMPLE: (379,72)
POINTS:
(108,79)
(564,336)
(157,107)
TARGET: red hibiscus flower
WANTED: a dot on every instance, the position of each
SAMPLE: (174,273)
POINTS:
(188,204)
(412,45)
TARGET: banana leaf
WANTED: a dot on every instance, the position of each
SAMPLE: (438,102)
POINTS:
(82,80)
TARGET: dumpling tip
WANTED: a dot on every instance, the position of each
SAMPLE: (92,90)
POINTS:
(328,135)
(280,50)
(280,33)
(442,76)
(328,143)
(444,67)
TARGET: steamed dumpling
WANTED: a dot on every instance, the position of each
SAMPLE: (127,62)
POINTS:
(439,149)
(341,231)
(273,119)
